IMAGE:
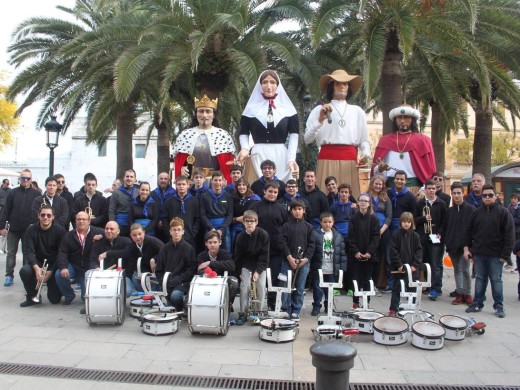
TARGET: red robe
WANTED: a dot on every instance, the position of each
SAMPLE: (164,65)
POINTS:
(419,148)
(223,158)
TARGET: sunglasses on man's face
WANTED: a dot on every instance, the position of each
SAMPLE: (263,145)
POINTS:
(24,178)
(487,195)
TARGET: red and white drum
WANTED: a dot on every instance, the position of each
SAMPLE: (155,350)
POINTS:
(278,330)
(428,335)
(140,307)
(364,320)
(208,305)
(454,326)
(105,297)
(390,331)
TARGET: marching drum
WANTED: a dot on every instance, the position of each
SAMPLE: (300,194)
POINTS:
(139,307)
(427,335)
(278,330)
(454,326)
(409,316)
(208,305)
(364,320)
(160,324)
(390,331)
(105,297)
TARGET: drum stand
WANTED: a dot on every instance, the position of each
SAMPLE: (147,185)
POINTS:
(278,290)
(159,296)
(415,313)
(364,295)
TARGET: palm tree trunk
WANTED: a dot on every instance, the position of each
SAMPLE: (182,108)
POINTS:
(391,79)
(483,140)
(163,148)
(125,133)
(438,138)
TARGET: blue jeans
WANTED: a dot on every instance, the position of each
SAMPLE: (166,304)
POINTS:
(177,298)
(318,292)
(293,302)
(65,286)
(488,267)
(432,254)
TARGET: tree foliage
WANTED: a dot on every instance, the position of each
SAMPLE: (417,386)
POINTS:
(8,120)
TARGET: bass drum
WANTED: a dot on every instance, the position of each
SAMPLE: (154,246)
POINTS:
(454,326)
(428,335)
(364,321)
(139,307)
(390,331)
(105,297)
(160,324)
(208,305)
(278,330)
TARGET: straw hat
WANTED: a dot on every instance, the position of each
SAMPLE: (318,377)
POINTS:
(341,76)
(404,110)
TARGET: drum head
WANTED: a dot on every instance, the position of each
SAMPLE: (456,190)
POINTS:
(158,317)
(391,325)
(404,313)
(278,323)
(453,322)
(428,329)
(368,315)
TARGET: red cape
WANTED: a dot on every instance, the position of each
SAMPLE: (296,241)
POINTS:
(223,158)
(420,149)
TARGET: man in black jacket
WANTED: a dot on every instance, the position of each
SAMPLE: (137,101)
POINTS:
(455,224)
(160,195)
(317,200)
(17,212)
(489,240)
(64,192)
(438,179)
(95,200)
(58,204)
(42,240)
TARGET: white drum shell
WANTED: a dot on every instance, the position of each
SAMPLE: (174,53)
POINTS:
(364,321)
(160,324)
(327,332)
(140,307)
(454,326)
(208,305)
(283,331)
(390,331)
(428,335)
(105,297)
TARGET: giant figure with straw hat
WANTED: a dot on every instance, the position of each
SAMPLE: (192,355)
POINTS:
(340,129)
(406,149)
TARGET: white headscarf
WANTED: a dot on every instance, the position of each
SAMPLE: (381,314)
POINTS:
(257,105)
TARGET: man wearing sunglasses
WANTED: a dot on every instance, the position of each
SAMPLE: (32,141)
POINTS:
(51,198)
(489,240)
(42,241)
(17,212)
(438,179)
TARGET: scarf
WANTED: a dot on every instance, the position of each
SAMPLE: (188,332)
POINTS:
(394,195)
(182,200)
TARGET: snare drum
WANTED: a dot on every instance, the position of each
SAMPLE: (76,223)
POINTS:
(105,297)
(454,326)
(364,320)
(208,305)
(390,331)
(409,316)
(160,324)
(427,335)
(139,307)
(278,330)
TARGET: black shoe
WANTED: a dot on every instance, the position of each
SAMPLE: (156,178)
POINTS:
(315,311)
(454,294)
(474,308)
(83,311)
(67,302)
(29,302)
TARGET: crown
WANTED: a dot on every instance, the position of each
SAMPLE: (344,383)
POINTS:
(206,102)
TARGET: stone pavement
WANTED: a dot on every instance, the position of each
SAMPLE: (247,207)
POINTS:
(59,336)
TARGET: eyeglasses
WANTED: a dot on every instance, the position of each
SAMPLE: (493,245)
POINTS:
(60,181)
(438,179)
(25,178)
(46,215)
(178,230)
(488,195)
(363,201)
(249,221)
(81,219)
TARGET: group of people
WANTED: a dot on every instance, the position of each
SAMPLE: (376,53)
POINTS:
(243,213)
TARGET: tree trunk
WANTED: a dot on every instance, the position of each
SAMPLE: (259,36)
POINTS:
(125,133)
(391,80)
(163,148)
(483,140)
(438,138)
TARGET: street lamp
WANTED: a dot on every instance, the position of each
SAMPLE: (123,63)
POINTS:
(53,129)
(307,106)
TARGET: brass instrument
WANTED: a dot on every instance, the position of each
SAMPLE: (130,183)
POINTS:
(39,285)
(428,223)
(253,301)
(88,210)
(298,260)
(3,239)
(381,166)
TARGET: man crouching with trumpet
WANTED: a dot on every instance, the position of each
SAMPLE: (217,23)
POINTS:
(42,240)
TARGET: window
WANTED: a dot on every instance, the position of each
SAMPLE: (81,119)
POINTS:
(140,150)
(102,150)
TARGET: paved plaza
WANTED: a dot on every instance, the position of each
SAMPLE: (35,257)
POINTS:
(59,336)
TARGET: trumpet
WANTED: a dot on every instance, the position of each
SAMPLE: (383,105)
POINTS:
(88,210)
(381,166)
(428,224)
(298,260)
(3,239)
(43,278)
(254,302)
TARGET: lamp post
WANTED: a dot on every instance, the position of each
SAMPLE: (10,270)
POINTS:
(53,129)
(307,106)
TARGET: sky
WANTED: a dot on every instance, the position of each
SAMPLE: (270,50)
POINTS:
(13,13)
